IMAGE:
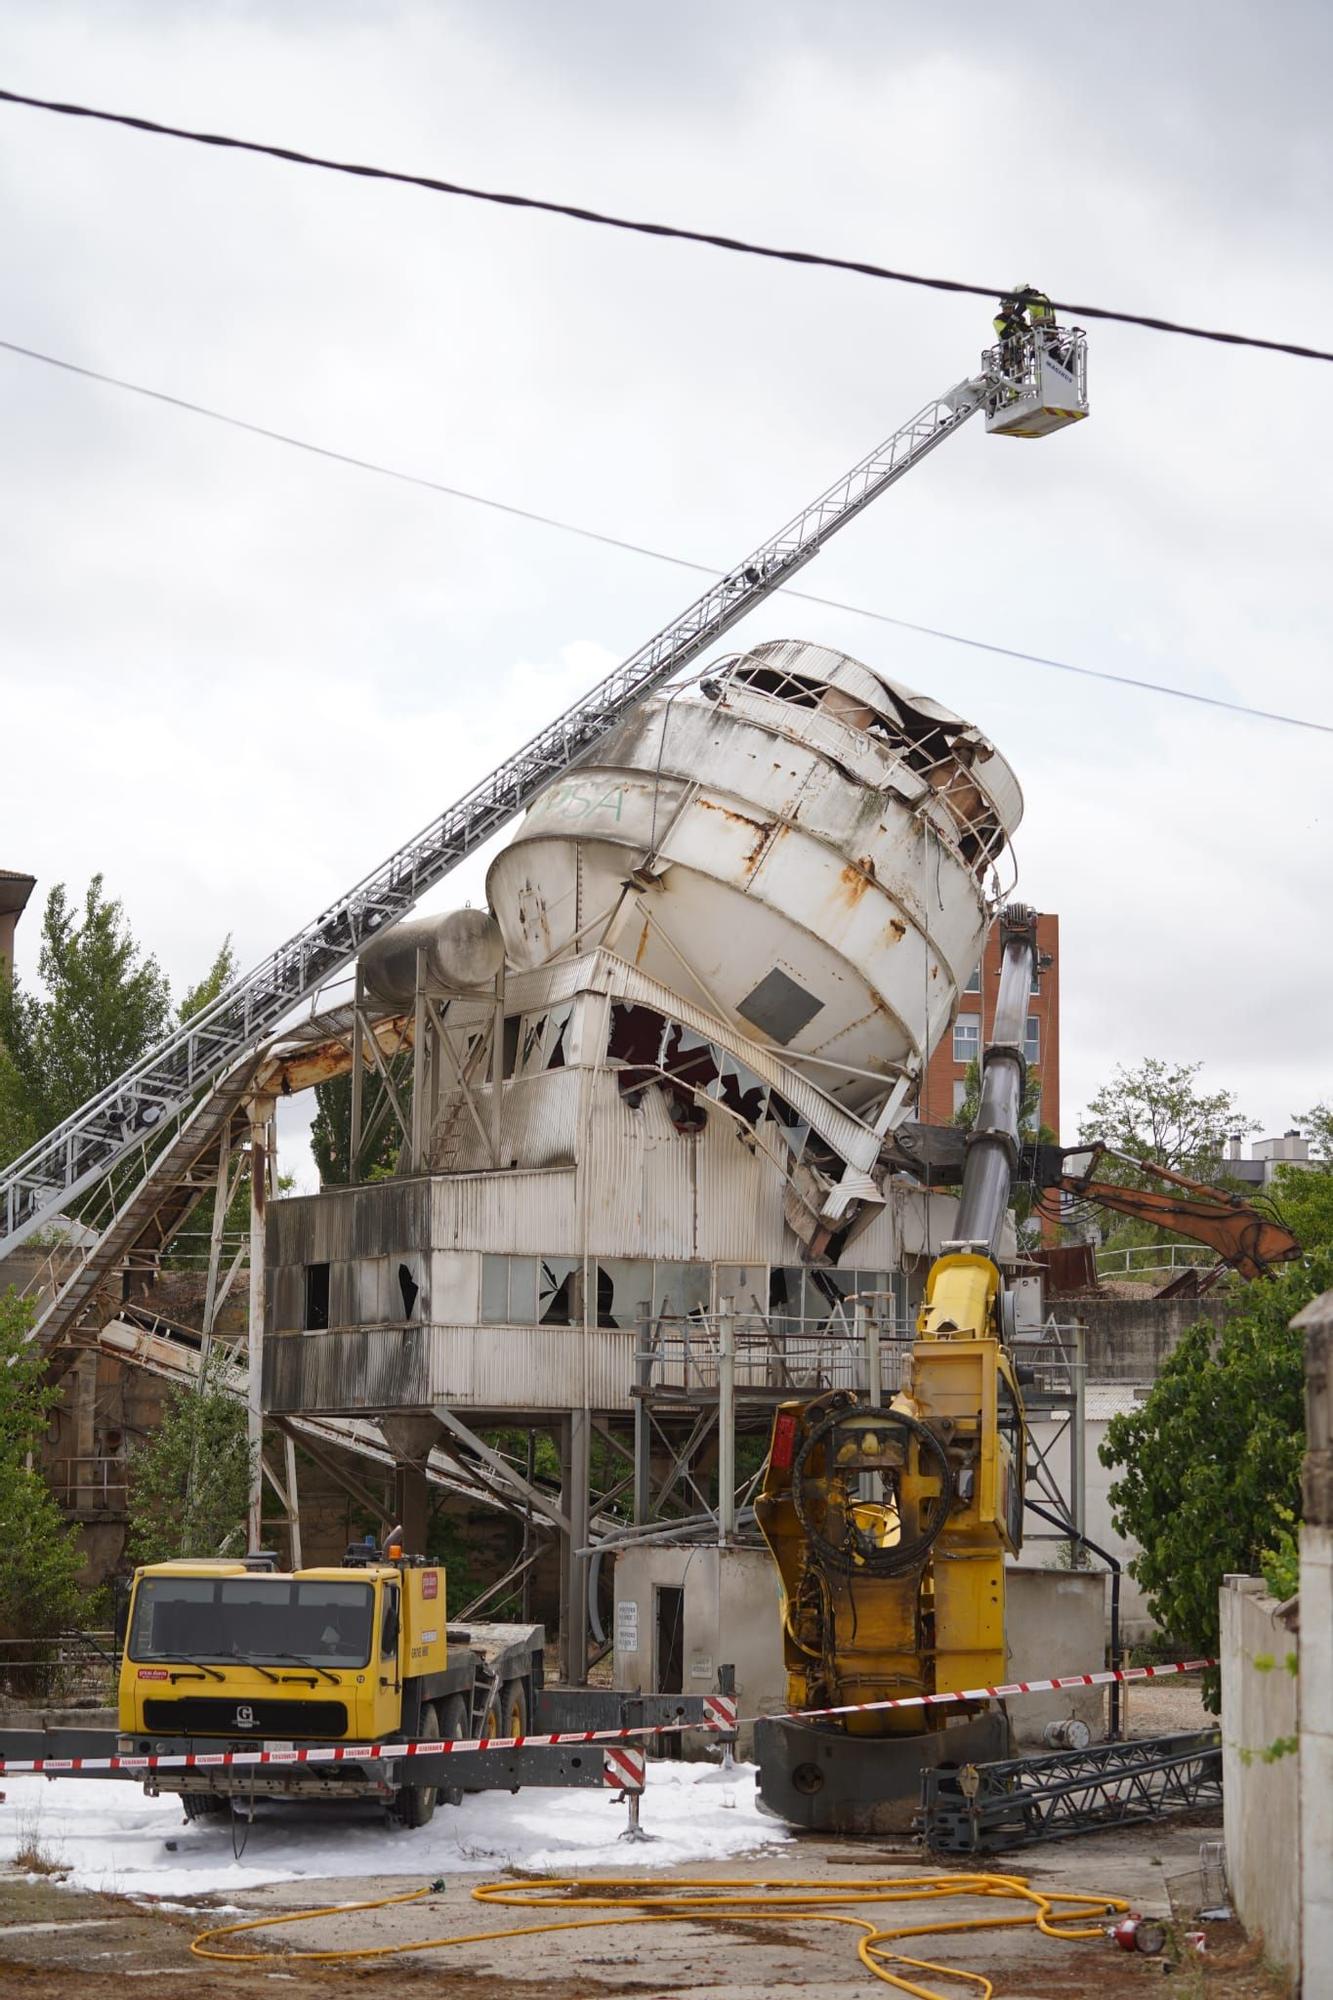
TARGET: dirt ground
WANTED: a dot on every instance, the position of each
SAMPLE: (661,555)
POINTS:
(59,1945)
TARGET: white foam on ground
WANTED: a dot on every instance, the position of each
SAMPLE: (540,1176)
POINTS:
(110,1837)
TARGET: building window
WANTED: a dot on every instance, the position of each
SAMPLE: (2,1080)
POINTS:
(316,1297)
(966,1038)
(1032,1040)
(1036,981)
(623,1286)
(959,1094)
(508,1291)
(974,983)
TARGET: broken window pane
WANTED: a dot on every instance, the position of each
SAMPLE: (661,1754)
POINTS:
(556,1304)
(623,1284)
(786,1284)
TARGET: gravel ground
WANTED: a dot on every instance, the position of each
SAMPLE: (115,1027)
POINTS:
(1165,1708)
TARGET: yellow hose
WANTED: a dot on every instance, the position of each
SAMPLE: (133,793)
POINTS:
(1069,1914)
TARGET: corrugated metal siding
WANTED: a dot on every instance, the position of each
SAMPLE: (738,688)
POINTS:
(349,1372)
(468,1367)
(543,1367)
(519,1211)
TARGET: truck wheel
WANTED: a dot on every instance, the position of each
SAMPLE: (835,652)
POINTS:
(202,1805)
(492,1722)
(514,1709)
(415,1804)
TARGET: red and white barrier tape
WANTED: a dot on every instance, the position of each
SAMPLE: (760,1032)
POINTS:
(371,1753)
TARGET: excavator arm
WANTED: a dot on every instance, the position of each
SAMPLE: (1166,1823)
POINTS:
(1250,1242)
(1245,1238)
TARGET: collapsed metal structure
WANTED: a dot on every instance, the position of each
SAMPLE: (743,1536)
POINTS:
(657,1081)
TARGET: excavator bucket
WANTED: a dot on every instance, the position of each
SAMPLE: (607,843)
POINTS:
(1041,382)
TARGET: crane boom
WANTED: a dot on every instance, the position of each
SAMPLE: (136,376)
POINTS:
(160,1087)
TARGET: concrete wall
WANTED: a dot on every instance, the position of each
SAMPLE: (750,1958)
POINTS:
(1316,1752)
(732,1615)
(1127,1340)
(1055,1623)
(1261,1795)
(1316,1613)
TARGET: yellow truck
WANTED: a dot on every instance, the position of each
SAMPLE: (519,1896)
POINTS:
(234,1655)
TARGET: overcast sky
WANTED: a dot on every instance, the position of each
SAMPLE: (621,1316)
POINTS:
(236,677)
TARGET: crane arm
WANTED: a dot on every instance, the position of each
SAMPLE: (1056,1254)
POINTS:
(142,1103)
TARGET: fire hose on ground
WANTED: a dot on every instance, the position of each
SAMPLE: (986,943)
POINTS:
(1070,1915)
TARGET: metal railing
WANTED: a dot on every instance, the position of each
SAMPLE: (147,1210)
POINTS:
(1151,1259)
(775,1354)
(70,1666)
(94,1483)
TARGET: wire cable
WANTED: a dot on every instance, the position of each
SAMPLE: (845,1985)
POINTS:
(740,245)
(563,527)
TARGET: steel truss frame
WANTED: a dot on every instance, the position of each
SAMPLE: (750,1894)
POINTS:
(987,1808)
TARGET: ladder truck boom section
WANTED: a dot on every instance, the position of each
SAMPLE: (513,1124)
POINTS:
(1021,397)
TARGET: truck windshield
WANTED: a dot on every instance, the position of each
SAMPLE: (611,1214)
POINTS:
(199,1618)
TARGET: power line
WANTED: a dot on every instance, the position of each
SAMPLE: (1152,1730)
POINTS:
(642,549)
(605,220)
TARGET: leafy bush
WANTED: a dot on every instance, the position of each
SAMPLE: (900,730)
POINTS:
(1211,1463)
(190,1481)
(39,1555)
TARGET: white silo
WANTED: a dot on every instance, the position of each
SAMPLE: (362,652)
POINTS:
(794,842)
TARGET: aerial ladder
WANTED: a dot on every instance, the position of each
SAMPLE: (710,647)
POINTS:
(161,1106)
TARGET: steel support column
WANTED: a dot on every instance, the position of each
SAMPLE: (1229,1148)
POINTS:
(575,1480)
(261,1120)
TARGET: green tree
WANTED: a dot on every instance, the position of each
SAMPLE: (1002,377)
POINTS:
(105,1002)
(220,973)
(1303,1197)
(1210,1465)
(1317,1125)
(1157,1113)
(39,1556)
(190,1481)
(331,1130)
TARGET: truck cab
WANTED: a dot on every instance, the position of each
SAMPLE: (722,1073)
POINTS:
(228,1655)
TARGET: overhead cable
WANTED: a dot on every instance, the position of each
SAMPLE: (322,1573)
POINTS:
(605,220)
(642,549)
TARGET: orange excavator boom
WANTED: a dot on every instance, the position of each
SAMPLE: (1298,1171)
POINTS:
(1250,1242)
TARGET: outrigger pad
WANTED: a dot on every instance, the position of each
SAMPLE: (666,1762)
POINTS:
(827,1782)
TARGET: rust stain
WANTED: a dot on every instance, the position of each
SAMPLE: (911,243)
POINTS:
(854,883)
(643,943)
(740,819)
(897,930)
(762,829)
